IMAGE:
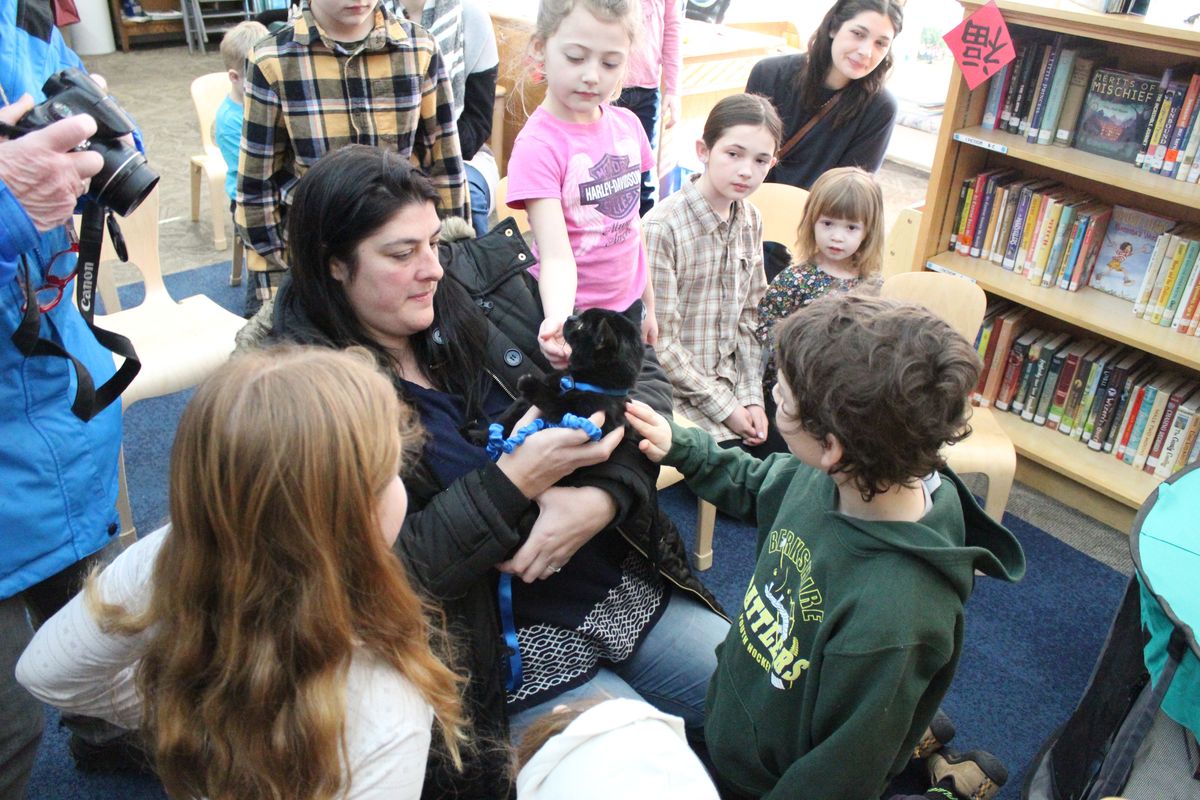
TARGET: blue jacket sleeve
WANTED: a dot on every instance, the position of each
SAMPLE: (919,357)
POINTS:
(17,234)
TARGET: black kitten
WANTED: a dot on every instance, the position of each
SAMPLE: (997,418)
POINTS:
(606,357)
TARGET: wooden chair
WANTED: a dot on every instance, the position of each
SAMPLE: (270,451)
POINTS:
(178,342)
(706,512)
(988,449)
(208,91)
(781,206)
(502,209)
(901,246)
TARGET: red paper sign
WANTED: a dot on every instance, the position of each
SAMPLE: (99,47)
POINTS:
(981,45)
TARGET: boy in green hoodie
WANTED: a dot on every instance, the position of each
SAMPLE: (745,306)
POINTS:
(852,625)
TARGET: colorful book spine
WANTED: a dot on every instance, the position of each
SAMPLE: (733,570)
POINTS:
(997,86)
(1185,418)
(1135,419)
(1161,247)
(1075,248)
(1036,90)
(1181,392)
(1182,124)
(1166,277)
(1154,124)
(1011,201)
(1048,126)
(1177,92)
(1090,248)
(1077,88)
(1037,384)
(1058,248)
(1043,90)
(1188,305)
(963,191)
(1072,357)
(1014,365)
(1174,293)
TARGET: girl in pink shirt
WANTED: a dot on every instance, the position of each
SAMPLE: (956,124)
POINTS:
(576,168)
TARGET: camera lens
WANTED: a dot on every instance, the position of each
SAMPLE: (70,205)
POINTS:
(125,179)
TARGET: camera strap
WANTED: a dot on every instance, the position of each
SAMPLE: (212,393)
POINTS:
(89,401)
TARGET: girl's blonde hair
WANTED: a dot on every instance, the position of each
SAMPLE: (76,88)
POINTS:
(273,575)
(550,15)
(845,193)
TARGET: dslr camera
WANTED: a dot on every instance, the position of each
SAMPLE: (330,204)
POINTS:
(125,180)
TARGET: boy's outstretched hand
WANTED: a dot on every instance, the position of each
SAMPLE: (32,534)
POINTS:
(653,428)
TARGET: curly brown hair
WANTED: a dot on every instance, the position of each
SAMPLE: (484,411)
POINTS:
(888,379)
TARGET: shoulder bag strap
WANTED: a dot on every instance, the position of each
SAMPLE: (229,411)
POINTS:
(791,143)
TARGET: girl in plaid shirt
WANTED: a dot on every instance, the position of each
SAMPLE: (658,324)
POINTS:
(704,245)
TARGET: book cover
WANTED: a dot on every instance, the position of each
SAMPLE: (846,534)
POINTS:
(1072,357)
(1119,435)
(1083,389)
(1162,246)
(1108,397)
(1014,365)
(1173,292)
(1081,76)
(1039,83)
(1182,125)
(1048,127)
(1179,393)
(1037,383)
(1115,112)
(1043,95)
(1128,244)
(1012,323)
(1161,124)
(1090,249)
(1177,435)
(997,87)
(1188,303)
(1058,248)
(1028,370)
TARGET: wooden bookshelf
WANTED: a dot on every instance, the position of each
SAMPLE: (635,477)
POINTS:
(1093,482)
(129,30)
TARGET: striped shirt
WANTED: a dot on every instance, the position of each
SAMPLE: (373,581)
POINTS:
(708,278)
(307,94)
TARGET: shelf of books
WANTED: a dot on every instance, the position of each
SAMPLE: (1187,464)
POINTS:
(1068,188)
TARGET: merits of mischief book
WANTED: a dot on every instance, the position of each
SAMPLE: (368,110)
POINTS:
(1116,109)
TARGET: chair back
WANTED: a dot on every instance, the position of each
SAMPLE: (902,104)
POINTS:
(140,231)
(502,209)
(781,206)
(956,300)
(901,246)
(208,92)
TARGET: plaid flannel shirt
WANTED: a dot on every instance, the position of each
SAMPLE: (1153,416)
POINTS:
(708,278)
(307,94)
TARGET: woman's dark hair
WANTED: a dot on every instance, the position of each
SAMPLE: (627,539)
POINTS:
(810,81)
(741,109)
(345,198)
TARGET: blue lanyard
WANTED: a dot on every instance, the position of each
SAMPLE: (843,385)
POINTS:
(507,621)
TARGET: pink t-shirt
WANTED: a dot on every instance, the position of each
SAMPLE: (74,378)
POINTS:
(595,170)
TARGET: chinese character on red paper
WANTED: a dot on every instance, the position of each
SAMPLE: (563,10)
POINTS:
(981,45)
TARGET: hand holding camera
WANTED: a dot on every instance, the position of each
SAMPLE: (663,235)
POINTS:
(41,168)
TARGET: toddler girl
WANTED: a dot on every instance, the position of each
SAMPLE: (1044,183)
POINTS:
(704,246)
(839,244)
(576,168)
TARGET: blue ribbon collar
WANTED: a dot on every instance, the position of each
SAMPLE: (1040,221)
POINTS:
(570,384)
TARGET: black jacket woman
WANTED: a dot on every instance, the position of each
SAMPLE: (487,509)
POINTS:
(839,82)
(596,569)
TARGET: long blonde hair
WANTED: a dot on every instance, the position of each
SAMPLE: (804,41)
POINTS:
(845,193)
(273,575)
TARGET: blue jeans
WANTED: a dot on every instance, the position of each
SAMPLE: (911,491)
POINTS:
(481,198)
(21,716)
(670,669)
(646,103)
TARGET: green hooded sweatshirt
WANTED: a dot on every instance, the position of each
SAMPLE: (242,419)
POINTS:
(849,632)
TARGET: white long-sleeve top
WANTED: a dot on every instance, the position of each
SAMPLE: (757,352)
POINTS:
(74,665)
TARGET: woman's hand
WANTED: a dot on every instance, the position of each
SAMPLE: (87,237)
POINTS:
(650,330)
(568,517)
(652,427)
(553,453)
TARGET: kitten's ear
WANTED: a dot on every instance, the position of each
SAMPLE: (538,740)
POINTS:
(634,314)
(605,335)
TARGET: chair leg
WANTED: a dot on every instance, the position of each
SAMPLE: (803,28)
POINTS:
(239,257)
(706,521)
(1000,480)
(124,509)
(220,209)
(197,174)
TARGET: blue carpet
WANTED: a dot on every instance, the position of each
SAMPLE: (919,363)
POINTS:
(1028,653)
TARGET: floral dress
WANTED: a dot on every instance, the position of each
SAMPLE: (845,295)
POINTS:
(794,288)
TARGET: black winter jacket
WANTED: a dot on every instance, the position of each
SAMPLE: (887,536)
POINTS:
(453,536)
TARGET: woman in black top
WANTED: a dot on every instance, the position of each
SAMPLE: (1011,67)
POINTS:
(841,78)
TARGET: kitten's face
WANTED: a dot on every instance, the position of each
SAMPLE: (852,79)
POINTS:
(606,347)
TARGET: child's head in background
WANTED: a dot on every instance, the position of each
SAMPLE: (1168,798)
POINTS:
(235,44)
(842,228)
(581,47)
(737,148)
(870,389)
